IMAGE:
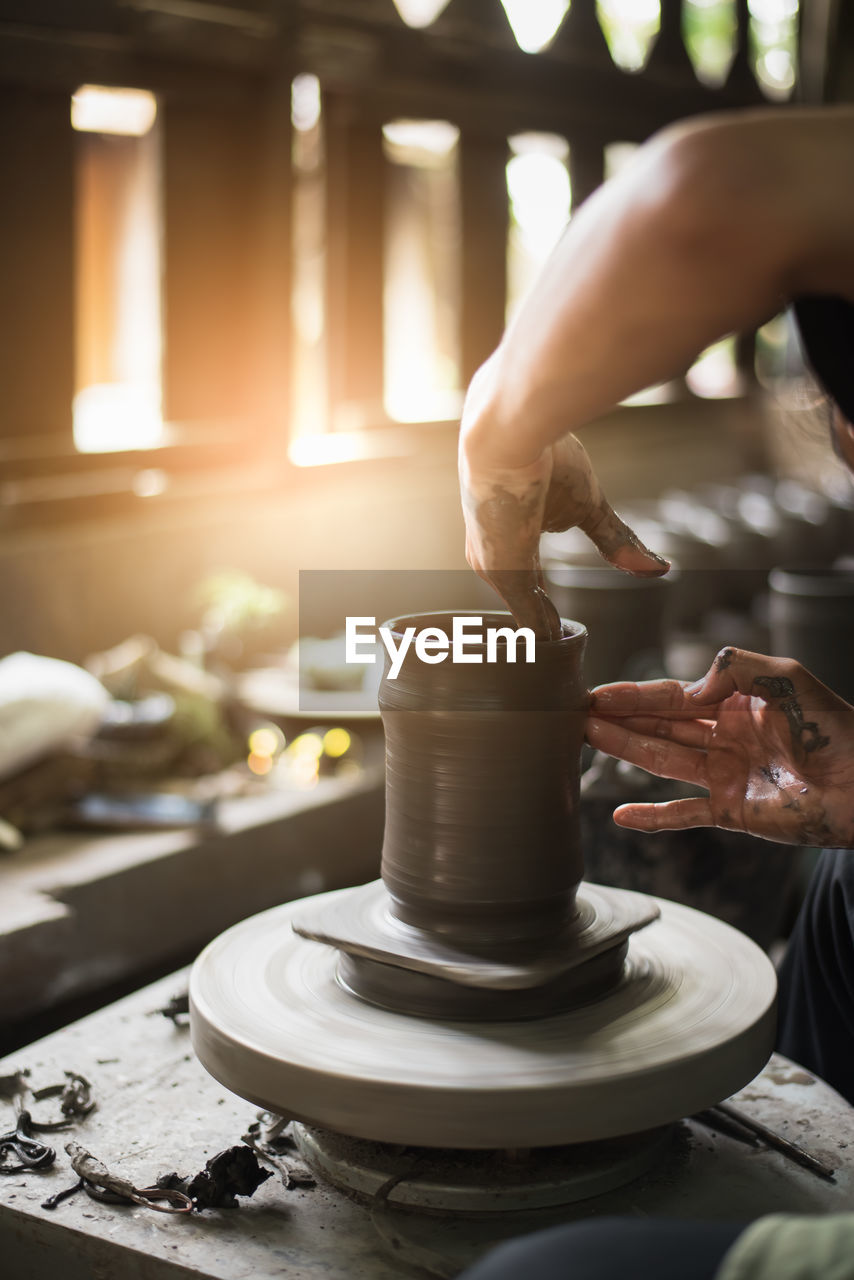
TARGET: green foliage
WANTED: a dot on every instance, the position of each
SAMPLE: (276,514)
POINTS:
(234,602)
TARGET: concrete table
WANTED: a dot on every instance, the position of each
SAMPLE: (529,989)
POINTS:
(158,1111)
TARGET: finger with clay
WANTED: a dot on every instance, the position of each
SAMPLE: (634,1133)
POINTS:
(769,742)
(508,501)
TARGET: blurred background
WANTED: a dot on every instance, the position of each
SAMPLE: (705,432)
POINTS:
(251,254)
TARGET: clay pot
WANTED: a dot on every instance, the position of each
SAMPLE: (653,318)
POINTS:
(812,619)
(482,773)
(624,616)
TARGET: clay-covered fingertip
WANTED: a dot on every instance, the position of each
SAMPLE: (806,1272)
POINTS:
(548,625)
(649,573)
(641,563)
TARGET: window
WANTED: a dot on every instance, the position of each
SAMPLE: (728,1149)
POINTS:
(421,271)
(540,200)
(117,396)
(263,259)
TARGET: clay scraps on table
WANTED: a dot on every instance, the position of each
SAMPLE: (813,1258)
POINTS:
(177,1009)
(14,1085)
(231,1173)
(75,1095)
(20,1151)
(75,1099)
(270,1139)
(101,1184)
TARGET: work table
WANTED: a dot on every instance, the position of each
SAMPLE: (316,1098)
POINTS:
(159,1111)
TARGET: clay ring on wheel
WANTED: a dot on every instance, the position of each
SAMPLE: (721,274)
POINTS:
(691,1021)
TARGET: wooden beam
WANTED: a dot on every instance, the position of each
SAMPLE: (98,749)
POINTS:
(484,215)
(36,263)
(225,228)
(355,220)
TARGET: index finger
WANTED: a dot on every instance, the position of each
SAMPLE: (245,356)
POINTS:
(523,593)
(667,698)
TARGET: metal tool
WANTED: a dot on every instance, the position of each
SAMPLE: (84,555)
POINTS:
(743,1128)
(774,1140)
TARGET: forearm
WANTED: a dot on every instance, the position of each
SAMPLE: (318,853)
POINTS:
(710,231)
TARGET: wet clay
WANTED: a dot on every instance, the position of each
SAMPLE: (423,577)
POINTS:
(476,915)
(476,980)
(482,834)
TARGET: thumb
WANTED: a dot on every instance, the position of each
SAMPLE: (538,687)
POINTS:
(751,674)
(619,544)
(808,706)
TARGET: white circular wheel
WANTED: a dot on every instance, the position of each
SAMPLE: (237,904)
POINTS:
(691,1022)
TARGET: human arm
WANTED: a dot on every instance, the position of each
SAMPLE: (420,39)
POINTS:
(711,229)
(771,744)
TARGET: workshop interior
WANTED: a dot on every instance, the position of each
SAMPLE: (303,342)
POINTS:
(331,968)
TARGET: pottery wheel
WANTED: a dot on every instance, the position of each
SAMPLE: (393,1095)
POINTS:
(690,1022)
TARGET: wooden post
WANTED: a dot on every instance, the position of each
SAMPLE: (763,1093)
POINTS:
(355,218)
(745,358)
(669,53)
(741,78)
(586,168)
(484,215)
(36,262)
(822,38)
(216,154)
(473,18)
(581,37)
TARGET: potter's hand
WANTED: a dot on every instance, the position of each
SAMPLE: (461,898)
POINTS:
(509,499)
(772,745)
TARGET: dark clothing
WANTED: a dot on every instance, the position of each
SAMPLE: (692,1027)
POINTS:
(612,1249)
(826,326)
(816,1024)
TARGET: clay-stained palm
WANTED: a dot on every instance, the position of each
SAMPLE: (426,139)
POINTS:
(769,742)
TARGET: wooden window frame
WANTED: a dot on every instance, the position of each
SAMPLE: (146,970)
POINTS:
(222,77)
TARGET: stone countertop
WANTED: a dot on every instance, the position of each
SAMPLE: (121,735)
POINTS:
(158,1111)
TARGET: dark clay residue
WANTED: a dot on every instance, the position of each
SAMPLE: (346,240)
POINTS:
(806,734)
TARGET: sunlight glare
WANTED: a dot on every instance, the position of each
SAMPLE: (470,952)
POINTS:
(540,198)
(431,137)
(128,112)
(110,417)
(776,70)
(629,27)
(770,11)
(420,13)
(535,22)
(305,102)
